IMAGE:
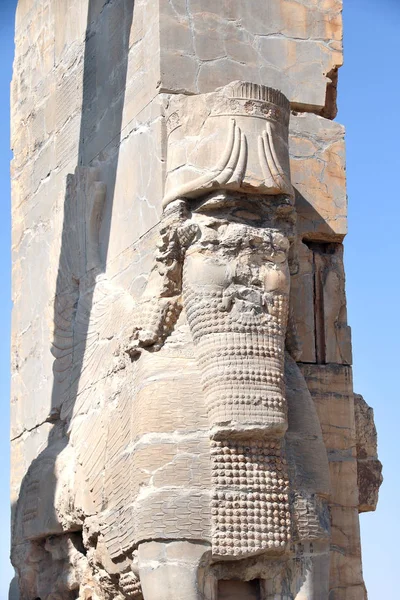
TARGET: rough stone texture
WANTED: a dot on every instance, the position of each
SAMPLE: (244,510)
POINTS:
(369,468)
(318,175)
(294,46)
(332,391)
(123,461)
(319,304)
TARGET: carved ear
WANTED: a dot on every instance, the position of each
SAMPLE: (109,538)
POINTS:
(176,210)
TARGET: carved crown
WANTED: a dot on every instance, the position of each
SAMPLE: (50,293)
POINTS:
(235,138)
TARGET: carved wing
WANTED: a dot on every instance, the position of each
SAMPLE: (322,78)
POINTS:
(98,378)
(93,320)
(91,316)
(90,312)
(90,326)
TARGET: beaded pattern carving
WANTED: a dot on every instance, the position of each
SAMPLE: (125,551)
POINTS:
(241,356)
(250,505)
(158,320)
(130,586)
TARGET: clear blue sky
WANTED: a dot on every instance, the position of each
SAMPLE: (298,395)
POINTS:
(369,87)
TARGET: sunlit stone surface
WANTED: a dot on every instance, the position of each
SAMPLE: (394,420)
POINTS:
(183,418)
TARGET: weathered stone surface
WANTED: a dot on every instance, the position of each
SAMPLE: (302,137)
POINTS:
(319,304)
(165,442)
(293,46)
(369,468)
(302,297)
(331,389)
(318,175)
(332,392)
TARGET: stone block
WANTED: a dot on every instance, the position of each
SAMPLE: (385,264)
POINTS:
(369,468)
(333,338)
(192,551)
(332,392)
(176,574)
(317,168)
(343,474)
(302,302)
(367,442)
(130,268)
(346,570)
(369,480)
(24,449)
(134,189)
(345,530)
(319,287)
(352,592)
(275,44)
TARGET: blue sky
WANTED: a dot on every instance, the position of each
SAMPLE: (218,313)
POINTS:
(369,88)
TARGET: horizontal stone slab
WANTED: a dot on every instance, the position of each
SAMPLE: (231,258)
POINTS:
(317,164)
(286,45)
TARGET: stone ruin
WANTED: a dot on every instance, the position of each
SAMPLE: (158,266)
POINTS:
(184,424)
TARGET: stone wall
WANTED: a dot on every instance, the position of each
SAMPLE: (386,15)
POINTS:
(92,82)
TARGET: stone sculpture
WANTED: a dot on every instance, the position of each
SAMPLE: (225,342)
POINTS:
(183,417)
(211,467)
(255,504)
(224,256)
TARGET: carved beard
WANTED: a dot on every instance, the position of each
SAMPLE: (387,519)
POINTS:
(236,295)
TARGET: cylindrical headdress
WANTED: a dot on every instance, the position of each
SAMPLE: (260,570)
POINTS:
(235,138)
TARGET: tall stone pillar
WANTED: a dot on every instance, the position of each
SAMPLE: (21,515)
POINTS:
(183,417)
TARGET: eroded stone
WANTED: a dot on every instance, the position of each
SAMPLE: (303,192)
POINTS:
(170,432)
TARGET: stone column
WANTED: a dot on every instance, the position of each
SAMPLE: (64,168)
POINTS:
(97,429)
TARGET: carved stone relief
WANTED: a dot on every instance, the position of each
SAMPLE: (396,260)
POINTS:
(195,452)
(221,284)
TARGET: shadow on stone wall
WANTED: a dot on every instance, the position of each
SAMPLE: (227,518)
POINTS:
(104,82)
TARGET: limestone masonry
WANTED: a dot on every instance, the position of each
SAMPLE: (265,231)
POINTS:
(184,425)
